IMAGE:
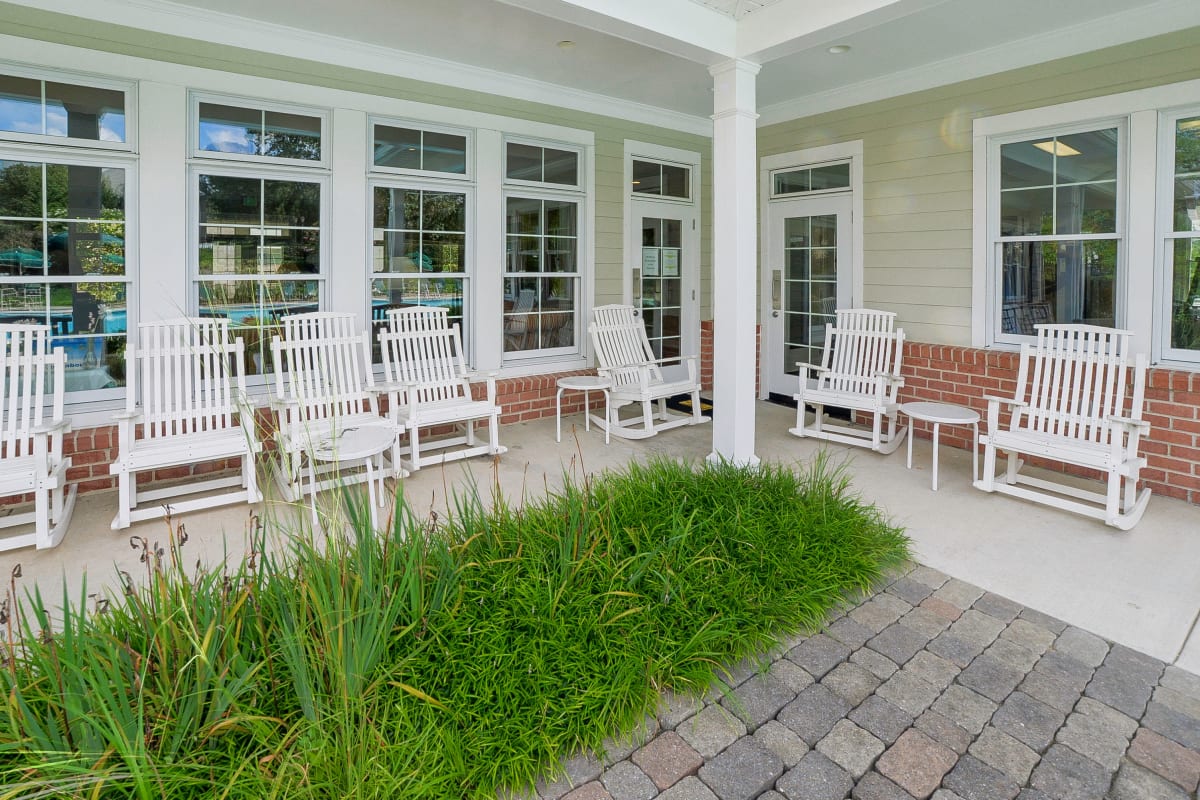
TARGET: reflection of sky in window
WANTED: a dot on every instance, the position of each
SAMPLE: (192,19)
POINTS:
(56,121)
(215,137)
(20,116)
(112,127)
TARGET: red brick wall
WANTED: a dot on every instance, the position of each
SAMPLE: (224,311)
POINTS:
(706,356)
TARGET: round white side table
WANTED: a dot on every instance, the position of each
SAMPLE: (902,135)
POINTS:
(943,414)
(585,384)
(366,443)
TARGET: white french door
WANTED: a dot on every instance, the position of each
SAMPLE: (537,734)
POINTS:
(807,276)
(663,279)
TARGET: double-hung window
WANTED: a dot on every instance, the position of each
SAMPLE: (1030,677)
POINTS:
(1182,278)
(543,250)
(259,179)
(64,219)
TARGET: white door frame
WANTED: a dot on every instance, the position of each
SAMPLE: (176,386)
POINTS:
(852,151)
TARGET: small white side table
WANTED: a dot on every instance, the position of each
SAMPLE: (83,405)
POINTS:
(944,414)
(365,443)
(585,384)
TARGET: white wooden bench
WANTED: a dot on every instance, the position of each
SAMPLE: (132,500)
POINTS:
(185,404)
(859,371)
(324,386)
(31,436)
(1073,405)
(428,385)
(624,357)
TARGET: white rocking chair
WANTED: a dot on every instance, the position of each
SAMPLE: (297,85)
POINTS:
(625,358)
(31,436)
(860,371)
(428,385)
(1070,406)
(185,404)
(324,389)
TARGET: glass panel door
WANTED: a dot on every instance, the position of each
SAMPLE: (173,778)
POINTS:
(663,281)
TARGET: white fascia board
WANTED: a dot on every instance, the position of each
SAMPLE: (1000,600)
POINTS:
(790,26)
(1141,23)
(226,29)
(679,27)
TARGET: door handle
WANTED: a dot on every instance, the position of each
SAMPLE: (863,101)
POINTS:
(637,286)
(776,292)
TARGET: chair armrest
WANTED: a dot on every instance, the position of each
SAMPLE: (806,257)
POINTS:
(388,387)
(61,426)
(121,416)
(1011,401)
(813,367)
(1126,422)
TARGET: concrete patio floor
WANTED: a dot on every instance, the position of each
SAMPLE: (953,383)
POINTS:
(1140,588)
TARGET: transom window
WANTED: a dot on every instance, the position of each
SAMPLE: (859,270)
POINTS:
(662,180)
(257,132)
(1183,241)
(38,108)
(411,149)
(810,179)
(535,163)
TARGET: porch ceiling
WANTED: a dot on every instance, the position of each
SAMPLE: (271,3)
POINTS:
(651,59)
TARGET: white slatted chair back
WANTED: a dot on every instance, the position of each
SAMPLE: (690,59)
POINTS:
(32,374)
(189,376)
(423,350)
(323,365)
(1074,379)
(861,345)
(621,344)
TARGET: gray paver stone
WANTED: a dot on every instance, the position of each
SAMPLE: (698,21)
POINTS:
(1177,701)
(690,788)
(1012,654)
(946,794)
(898,642)
(885,721)
(734,675)
(972,779)
(1132,662)
(667,759)
(880,611)
(945,730)
(771,795)
(1124,691)
(1029,720)
(991,677)
(819,654)
(852,682)
(624,781)
(1069,670)
(1033,794)
(850,632)
(1052,624)
(943,609)
(968,708)
(878,665)
(783,742)
(917,763)
(589,791)
(617,748)
(758,700)
(1082,646)
(1174,725)
(929,576)
(999,607)
(711,731)
(874,786)
(1181,681)
(1001,751)
(675,708)
(1066,775)
(955,649)
(814,712)
(1164,757)
(908,692)
(1050,690)
(815,778)
(910,591)
(744,771)
(977,628)
(959,593)
(576,771)
(1098,732)
(925,622)
(791,675)
(1030,636)
(1137,783)
(851,747)
(934,670)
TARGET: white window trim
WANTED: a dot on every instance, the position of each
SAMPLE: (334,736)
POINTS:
(78,79)
(774,195)
(426,127)
(580,180)
(1165,202)
(1143,242)
(692,165)
(645,151)
(255,104)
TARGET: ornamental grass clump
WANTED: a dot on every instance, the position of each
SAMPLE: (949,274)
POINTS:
(441,657)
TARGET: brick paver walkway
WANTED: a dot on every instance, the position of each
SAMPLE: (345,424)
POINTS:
(929,688)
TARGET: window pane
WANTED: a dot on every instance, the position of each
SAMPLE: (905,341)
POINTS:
(20,104)
(444,152)
(76,191)
(524,254)
(85,112)
(397,208)
(1187,145)
(1023,164)
(398,148)
(824,230)
(1058,282)
(1087,208)
(444,211)
(227,250)
(230,201)
(651,232)
(292,203)
(795,232)
(446,252)
(833,176)
(560,218)
(1185,294)
(676,181)
(20,189)
(524,162)
(447,293)
(560,255)
(647,177)
(230,129)
(1096,159)
(524,216)
(292,136)
(21,251)
(1026,212)
(672,233)
(397,251)
(1187,204)
(562,166)
(793,181)
(79,248)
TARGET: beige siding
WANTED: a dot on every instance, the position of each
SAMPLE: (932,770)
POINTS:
(917,175)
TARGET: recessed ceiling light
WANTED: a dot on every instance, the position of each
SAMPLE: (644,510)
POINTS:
(838,49)
(1056,148)
(566,44)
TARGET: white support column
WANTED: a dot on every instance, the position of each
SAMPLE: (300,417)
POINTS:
(735,262)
